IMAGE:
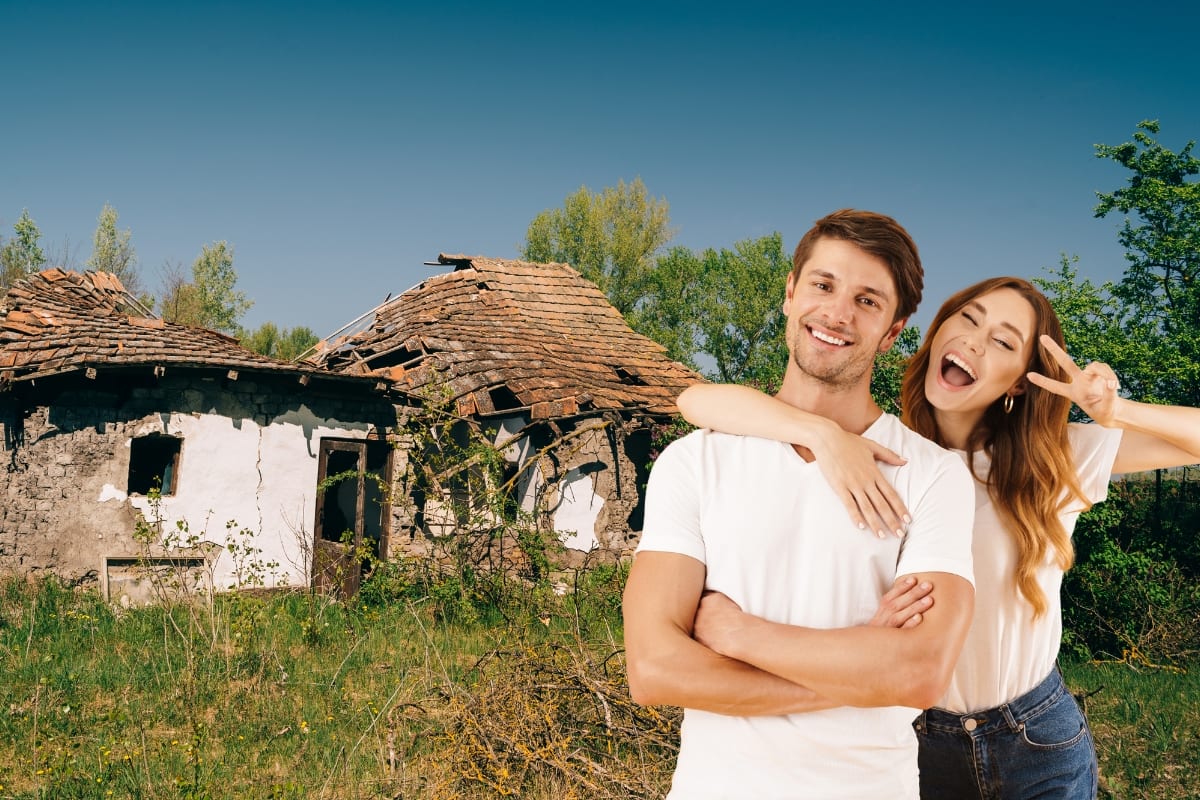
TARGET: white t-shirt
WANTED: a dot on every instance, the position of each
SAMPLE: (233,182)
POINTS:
(1008,652)
(779,543)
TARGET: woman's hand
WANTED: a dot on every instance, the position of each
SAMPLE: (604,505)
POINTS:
(904,604)
(1093,388)
(849,464)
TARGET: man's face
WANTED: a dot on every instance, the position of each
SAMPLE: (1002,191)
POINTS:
(839,313)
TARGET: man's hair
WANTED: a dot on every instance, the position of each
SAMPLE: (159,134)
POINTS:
(879,235)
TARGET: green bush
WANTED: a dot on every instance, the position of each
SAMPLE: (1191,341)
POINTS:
(1134,593)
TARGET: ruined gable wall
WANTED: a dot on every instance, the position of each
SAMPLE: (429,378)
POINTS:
(598,481)
(588,490)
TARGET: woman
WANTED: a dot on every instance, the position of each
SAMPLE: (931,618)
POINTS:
(992,381)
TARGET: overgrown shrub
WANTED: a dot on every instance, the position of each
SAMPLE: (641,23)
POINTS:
(1134,593)
(554,718)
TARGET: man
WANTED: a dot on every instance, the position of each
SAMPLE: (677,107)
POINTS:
(808,700)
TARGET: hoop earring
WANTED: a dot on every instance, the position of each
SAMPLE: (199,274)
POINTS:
(1008,403)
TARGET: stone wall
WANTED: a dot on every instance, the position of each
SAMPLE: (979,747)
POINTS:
(249,456)
(249,450)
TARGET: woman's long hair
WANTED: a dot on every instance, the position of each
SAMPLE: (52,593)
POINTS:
(1032,477)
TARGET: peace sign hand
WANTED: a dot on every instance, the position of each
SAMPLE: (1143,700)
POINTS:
(1093,388)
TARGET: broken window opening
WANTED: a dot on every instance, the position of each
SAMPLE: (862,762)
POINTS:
(341,498)
(154,464)
(457,489)
(400,357)
(504,399)
(628,378)
(14,427)
(510,506)
(639,444)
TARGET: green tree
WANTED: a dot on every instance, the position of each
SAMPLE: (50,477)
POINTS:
(1099,326)
(1146,326)
(221,306)
(740,313)
(1159,294)
(720,308)
(287,344)
(611,237)
(209,300)
(295,342)
(889,369)
(112,251)
(668,311)
(22,254)
(180,302)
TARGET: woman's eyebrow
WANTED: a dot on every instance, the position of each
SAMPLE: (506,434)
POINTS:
(979,307)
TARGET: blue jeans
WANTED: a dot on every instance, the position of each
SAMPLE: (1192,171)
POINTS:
(1037,746)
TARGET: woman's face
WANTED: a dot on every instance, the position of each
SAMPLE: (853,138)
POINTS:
(981,352)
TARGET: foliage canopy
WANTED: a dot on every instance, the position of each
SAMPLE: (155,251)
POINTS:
(22,254)
(113,251)
(610,236)
(1159,295)
(209,300)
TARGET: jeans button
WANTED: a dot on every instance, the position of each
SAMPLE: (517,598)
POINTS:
(970,725)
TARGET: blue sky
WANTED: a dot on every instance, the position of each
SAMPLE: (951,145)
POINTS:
(337,147)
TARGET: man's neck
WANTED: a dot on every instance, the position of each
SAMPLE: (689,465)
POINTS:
(852,407)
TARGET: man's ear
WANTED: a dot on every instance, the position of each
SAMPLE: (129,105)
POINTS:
(897,328)
(789,292)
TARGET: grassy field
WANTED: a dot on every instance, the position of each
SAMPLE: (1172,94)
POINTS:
(294,696)
(1146,723)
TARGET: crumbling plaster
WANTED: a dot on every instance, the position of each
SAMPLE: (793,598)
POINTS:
(579,478)
(249,454)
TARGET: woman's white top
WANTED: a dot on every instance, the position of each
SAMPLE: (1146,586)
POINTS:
(1008,651)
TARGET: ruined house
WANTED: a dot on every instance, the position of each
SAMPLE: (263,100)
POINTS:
(116,422)
(535,357)
(113,419)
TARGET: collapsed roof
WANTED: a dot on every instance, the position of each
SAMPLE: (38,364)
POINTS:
(509,335)
(59,321)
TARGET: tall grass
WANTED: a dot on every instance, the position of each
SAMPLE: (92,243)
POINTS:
(290,695)
(1146,723)
(293,695)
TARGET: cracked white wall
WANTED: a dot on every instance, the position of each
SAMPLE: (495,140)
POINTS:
(262,478)
(579,506)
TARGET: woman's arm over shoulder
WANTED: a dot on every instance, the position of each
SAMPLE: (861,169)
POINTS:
(732,408)
(847,461)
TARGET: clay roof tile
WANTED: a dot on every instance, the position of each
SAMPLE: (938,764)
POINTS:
(541,330)
(59,320)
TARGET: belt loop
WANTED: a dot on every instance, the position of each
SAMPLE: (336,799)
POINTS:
(1006,712)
